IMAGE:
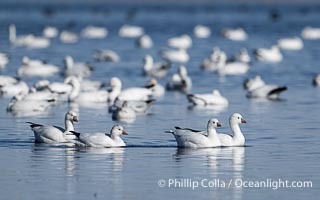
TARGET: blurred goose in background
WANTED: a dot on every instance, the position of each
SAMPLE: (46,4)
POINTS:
(237,139)
(68,37)
(145,42)
(124,113)
(55,134)
(157,90)
(310,33)
(8,80)
(243,56)
(14,88)
(214,98)
(50,32)
(43,95)
(180,55)
(180,42)
(159,69)
(94,32)
(103,139)
(230,68)
(316,80)
(213,61)
(137,106)
(257,88)
(272,55)
(4,60)
(106,56)
(237,34)
(76,69)
(36,68)
(130,31)
(201,31)
(189,138)
(181,81)
(30,41)
(294,43)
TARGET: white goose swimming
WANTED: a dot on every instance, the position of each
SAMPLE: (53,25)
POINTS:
(10,90)
(136,106)
(131,31)
(94,32)
(124,113)
(214,98)
(201,31)
(272,55)
(237,34)
(213,61)
(55,134)
(188,138)
(179,56)
(257,88)
(311,33)
(36,68)
(8,80)
(157,70)
(180,42)
(76,69)
(50,32)
(145,42)
(157,90)
(231,68)
(4,60)
(106,56)
(181,81)
(243,56)
(294,43)
(68,37)
(30,41)
(103,139)
(237,139)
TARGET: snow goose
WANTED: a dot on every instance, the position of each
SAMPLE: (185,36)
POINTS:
(189,138)
(180,55)
(8,80)
(257,88)
(215,98)
(106,56)
(294,43)
(237,34)
(130,31)
(145,42)
(21,105)
(201,31)
(55,134)
(272,55)
(103,139)
(181,81)
(94,32)
(68,37)
(36,68)
(316,80)
(157,70)
(10,90)
(311,33)
(237,139)
(213,61)
(136,106)
(50,32)
(231,68)
(29,41)
(181,42)
(124,113)
(4,60)
(76,69)
(44,95)
(156,89)
(243,56)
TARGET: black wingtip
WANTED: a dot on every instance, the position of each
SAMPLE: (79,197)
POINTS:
(32,125)
(277,90)
(177,127)
(77,134)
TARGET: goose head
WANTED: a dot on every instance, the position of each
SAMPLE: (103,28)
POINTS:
(25,60)
(115,83)
(213,123)
(68,62)
(75,84)
(148,63)
(183,71)
(71,116)
(216,93)
(236,118)
(153,82)
(118,130)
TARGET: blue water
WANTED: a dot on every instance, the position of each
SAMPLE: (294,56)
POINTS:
(282,136)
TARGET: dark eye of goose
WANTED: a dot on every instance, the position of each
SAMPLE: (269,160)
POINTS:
(238,117)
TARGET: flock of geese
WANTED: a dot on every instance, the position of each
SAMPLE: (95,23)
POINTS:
(126,103)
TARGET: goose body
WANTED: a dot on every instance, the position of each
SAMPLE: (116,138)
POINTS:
(201,31)
(4,60)
(54,134)
(181,81)
(94,32)
(188,138)
(37,68)
(215,98)
(102,139)
(158,70)
(272,55)
(237,34)
(311,33)
(10,90)
(106,56)
(124,113)
(50,32)
(130,31)
(76,69)
(145,42)
(180,55)
(237,139)
(294,43)
(68,37)
(180,42)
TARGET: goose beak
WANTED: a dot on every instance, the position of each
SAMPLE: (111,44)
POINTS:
(218,124)
(124,132)
(243,121)
(75,119)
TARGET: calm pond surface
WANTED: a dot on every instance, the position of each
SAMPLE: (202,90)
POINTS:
(283,136)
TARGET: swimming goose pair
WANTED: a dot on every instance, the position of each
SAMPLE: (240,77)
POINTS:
(189,138)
